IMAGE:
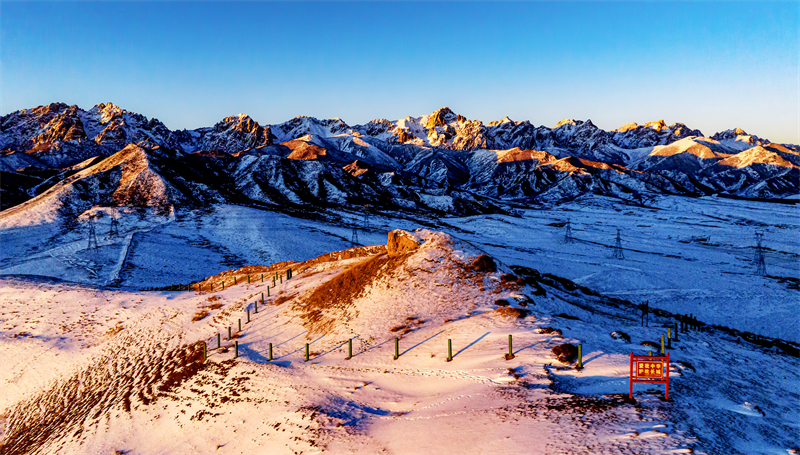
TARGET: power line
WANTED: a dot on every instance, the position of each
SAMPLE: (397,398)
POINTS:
(618,253)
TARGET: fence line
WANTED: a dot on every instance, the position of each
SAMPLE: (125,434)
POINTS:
(686,323)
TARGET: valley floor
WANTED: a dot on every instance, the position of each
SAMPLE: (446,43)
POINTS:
(687,256)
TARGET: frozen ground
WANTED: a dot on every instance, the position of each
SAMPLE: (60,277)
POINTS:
(95,370)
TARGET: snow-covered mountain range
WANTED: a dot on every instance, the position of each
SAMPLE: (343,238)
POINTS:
(64,156)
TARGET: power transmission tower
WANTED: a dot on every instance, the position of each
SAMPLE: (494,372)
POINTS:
(761,268)
(92,235)
(618,253)
(568,234)
(114,229)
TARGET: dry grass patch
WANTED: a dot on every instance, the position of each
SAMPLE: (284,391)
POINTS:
(115,330)
(281,299)
(411,323)
(341,291)
(512,313)
(549,330)
(484,264)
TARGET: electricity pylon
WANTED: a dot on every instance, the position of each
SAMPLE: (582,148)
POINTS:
(618,253)
(114,229)
(92,235)
(568,234)
(761,268)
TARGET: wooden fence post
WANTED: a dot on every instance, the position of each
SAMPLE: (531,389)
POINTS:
(270,352)
(449,350)
(396,348)
(306,352)
(580,357)
(236,347)
(349,349)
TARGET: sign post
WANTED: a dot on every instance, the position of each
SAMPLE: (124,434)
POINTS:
(649,369)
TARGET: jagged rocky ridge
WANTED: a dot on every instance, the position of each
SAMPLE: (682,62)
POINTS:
(440,162)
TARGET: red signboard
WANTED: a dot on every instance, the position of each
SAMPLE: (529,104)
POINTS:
(649,369)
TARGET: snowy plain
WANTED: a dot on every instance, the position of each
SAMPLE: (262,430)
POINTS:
(688,256)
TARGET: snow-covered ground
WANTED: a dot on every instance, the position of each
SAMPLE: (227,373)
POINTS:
(687,256)
(96,370)
(93,363)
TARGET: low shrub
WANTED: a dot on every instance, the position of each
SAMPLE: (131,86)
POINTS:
(484,264)
(514,313)
(566,353)
(620,335)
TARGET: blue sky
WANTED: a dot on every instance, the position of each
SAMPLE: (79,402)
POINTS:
(711,65)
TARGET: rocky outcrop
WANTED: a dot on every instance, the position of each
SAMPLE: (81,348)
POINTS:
(400,242)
